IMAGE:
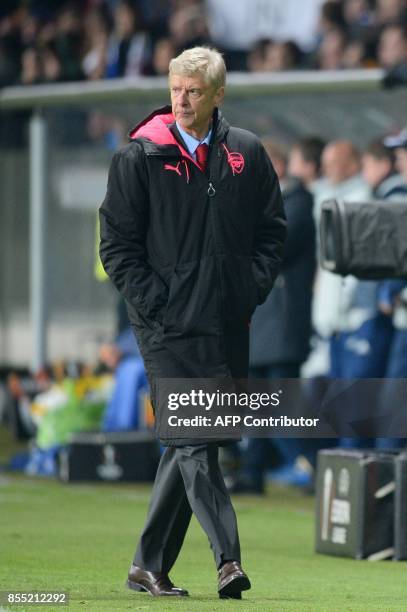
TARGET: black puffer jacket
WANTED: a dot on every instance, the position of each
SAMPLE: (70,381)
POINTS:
(193,253)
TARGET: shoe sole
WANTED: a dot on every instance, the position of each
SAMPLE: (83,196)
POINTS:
(233,596)
(135,586)
(235,587)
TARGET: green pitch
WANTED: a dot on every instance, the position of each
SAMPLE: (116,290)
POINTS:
(81,538)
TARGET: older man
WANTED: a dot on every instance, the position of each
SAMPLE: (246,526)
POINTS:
(192,230)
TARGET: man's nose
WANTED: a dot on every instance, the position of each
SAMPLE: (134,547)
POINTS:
(183,97)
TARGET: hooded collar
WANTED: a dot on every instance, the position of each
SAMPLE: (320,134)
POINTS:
(159,127)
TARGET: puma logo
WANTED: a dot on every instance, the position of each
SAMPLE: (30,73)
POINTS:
(175,168)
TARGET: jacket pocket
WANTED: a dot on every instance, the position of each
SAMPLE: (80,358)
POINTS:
(193,301)
(241,292)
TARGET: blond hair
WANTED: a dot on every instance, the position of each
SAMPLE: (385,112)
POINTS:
(206,62)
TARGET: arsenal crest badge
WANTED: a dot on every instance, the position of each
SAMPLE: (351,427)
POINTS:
(235,161)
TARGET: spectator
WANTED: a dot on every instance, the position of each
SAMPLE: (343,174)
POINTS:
(164,51)
(10,48)
(155,15)
(392,49)
(379,172)
(46,34)
(362,34)
(389,11)
(29,30)
(305,162)
(354,55)
(331,17)
(30,67)
(280,56)
(52,69)
(123,409)
(188,27)
(281,327)
(129,48)
(289,331)
(341,167)
(256,56)
(331,51)
(97,28)
(65,49)
(357,14)
(106,130)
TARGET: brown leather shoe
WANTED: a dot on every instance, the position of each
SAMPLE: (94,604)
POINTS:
(232,580)
(155,583)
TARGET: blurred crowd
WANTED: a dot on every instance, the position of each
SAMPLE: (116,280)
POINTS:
(59,40)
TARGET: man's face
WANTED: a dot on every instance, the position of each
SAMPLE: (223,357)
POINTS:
(339,163)
(374,170)
(193,102)
(298,167)
(332,166)
(392,47)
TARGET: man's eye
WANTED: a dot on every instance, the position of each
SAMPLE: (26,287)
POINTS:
(176,89)
(195,93)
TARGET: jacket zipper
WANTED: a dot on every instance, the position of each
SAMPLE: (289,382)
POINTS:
(211,192)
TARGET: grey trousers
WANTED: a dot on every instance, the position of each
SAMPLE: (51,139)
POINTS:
(188,480)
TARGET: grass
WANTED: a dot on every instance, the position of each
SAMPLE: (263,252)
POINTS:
(81,539)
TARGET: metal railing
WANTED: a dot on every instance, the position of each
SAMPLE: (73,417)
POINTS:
(127,89)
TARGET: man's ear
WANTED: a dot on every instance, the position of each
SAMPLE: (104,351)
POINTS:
(220,94)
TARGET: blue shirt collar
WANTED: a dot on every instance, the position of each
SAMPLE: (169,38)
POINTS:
(191,142)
